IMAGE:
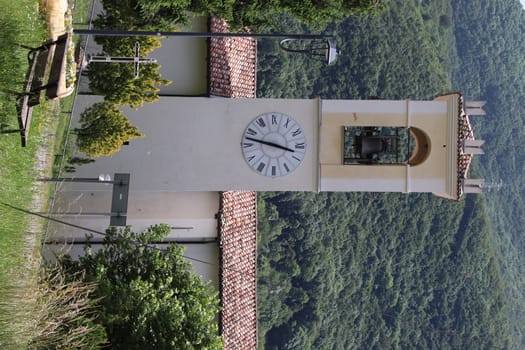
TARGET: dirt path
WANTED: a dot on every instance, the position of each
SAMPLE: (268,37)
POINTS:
(55,10)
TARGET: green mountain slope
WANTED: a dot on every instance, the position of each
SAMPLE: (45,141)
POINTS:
(354,271)
(491,47)
(365,271)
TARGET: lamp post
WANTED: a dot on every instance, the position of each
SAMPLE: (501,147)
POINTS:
(103,179)
(328,50)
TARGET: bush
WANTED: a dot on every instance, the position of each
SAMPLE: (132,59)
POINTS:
(150,298)
(59,313)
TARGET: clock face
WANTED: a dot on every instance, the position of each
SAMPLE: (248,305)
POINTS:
(274,144)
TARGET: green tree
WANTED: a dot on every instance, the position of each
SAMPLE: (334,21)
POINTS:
(164,14)
(117,83)
(314,12)
(125,45)
(159,15)
(103,130)
(150,298)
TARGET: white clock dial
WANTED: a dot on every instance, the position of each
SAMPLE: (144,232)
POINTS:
(274,144)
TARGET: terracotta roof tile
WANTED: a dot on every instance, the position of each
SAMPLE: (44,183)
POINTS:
(238,242)
(232,63)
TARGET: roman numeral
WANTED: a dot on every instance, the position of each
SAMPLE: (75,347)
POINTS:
(250,131)
(247,144)
(261,122)
(274,119)
(297,132)
(286,167)
(250,158)
(299,145)
(286,124)
(297,159)
(261,167)
(273,170)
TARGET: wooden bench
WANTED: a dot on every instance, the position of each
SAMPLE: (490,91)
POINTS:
(46,67)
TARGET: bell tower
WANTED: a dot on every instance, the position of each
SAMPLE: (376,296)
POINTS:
(196,147)
(196,144)
(398,146)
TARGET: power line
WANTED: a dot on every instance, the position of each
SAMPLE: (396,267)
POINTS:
(138,244)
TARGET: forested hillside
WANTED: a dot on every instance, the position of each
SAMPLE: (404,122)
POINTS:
(491,48)
(365,271)
(380,271)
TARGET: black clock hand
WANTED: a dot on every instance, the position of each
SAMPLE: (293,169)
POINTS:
(270,144)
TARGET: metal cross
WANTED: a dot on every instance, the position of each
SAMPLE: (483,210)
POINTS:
(136,60)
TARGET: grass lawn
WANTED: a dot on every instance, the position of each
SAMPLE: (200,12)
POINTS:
(20,233)
(21,23)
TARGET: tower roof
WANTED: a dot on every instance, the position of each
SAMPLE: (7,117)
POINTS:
(465,133)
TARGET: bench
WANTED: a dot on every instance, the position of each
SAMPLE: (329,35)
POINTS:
(46,67)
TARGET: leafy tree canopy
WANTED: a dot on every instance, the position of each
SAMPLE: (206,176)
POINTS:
(125,45)
(117,83)
(162,15)
(150,298)
(260,13)
(103,130)
(143,14)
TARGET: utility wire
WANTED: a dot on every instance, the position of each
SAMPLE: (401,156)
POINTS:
(106,235)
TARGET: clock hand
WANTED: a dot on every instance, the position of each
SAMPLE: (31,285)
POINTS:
(276,145)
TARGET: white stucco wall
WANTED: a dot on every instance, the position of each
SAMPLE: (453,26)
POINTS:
(194,144)
(184,61)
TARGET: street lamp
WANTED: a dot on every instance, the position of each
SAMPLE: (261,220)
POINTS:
(328,50)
